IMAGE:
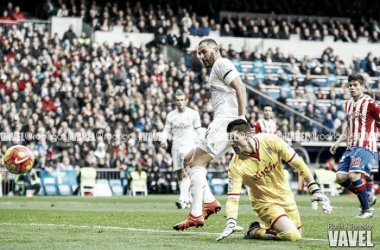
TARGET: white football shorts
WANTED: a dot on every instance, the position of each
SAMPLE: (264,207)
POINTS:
(178,155)
(215,141)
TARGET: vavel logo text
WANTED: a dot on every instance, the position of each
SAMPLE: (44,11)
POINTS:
(350,235)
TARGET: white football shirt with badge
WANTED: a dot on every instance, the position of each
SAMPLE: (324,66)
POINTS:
(224,98)
(182,126)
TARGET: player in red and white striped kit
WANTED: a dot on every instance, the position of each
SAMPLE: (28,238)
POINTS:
(266,124)
(362,115)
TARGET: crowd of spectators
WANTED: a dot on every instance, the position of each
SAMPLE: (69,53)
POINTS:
(203,20)
(57,88)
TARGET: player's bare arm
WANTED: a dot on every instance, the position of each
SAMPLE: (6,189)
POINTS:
(241,95)
(343,137)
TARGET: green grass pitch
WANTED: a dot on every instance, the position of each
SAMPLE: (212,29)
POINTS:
(146,223)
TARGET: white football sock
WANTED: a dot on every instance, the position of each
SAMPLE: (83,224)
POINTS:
(198,184)
(179,187)
(208,197)
(184,190)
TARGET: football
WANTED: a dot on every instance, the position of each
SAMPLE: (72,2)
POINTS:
(18,159)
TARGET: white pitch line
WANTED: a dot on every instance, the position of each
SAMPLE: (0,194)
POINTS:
(129,229)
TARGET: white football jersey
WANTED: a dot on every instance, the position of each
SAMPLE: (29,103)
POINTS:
(224,98)
(182,126)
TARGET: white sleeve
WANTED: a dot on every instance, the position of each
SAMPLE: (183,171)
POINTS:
(167,128)
(226,71)
(197,120)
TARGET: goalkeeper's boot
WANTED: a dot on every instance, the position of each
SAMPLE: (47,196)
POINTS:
(367,213)
(211,208)
(190,221)
(253,227)
(252,233)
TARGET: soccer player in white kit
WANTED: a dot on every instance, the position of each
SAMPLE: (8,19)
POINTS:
(229,102)
(266,124)
(181,122)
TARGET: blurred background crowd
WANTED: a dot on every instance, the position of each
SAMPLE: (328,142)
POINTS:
(51,85)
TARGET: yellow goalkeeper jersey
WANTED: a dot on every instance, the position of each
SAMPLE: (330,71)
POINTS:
(263,173)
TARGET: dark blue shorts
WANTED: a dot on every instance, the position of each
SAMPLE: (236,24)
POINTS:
(356,159)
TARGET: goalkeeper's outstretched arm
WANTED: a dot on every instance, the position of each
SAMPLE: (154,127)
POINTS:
(291,157)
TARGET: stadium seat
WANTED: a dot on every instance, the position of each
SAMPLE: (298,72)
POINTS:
(50,189)
(117,190)
(328,186)
(102,189)
(294,37)
(116,187)
(139,186)
(64,189)
(49,180)
(218,189)
(329,39)
(101,181)
(363,40)
(218,186)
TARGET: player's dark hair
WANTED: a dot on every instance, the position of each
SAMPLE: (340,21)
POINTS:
(239,125)
(267,105)
(356,77)
(208,41)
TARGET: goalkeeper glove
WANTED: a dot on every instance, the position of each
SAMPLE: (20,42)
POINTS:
(319,197)
(230,228)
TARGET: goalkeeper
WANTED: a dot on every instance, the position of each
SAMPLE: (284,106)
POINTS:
(258,164)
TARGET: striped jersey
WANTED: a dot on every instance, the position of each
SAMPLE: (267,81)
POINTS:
(265,126)
(363,117)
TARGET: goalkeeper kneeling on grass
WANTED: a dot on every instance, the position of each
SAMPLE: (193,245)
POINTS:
(257,163)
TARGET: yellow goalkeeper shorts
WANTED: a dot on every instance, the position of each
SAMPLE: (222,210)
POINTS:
(270,213)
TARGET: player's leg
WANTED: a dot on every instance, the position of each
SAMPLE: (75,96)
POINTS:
(369,180)
(369,183)
(360,162)
(186,163)
(184,185)
(214,145)
(177,168)
(278,225)
(369,186)
(185,156)
(342,173)
(286,230)
(198,183)
(198,179)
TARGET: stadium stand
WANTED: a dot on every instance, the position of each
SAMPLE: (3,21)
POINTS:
(67,85)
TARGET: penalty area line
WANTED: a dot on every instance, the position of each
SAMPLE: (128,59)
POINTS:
(129,229)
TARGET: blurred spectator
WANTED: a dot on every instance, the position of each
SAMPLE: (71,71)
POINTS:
(63,11)
(331,164)
(69,34)
(183,42)
(48,9)
(28,181)
(138,174)
(18,16)
(226,31)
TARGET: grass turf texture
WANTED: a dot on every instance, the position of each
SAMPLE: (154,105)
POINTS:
(146,223)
